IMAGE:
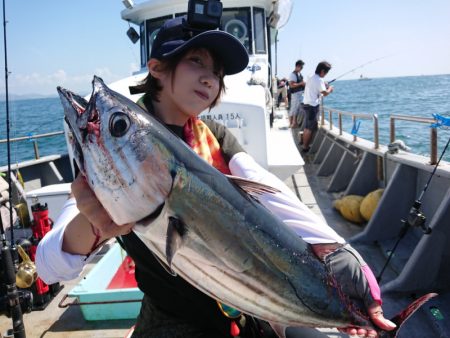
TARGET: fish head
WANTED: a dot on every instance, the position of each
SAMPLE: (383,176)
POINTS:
(120,149)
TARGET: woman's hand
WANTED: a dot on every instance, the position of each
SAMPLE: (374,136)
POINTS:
(90,207)
(351,331)
(93,225)
(376,315)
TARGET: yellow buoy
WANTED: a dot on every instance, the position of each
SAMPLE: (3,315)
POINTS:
(349,206)
(370,203)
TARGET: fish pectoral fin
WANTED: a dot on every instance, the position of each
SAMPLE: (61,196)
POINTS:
(279,329)
(176,230)
(164,265)
(252,187)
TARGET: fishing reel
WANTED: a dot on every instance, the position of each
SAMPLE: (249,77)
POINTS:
(25,298)
(26,273)
(417,219)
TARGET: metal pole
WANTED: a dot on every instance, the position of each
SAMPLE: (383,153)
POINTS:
(7,251)
(392,130)
(36,149)
(8,146)
(376,131)
(276,53)
(433,146)
(354,124)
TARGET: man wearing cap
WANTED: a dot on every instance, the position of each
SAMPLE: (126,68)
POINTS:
(315,88)
(296,87)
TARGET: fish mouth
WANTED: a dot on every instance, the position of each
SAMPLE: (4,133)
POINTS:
(75,108)
(82,118)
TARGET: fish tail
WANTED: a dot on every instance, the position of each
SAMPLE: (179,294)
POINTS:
(404,315)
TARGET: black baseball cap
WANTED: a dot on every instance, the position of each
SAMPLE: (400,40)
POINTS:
(175,36)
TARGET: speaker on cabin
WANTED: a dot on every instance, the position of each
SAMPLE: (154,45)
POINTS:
(133,35)
(236,28)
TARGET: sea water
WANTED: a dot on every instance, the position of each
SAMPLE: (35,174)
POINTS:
(28,118)
(419,96)
(415,96)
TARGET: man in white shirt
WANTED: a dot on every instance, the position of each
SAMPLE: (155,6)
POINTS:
(314,88)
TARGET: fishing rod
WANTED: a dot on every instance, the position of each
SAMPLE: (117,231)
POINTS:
(415,217)
(7,252)
(360,66)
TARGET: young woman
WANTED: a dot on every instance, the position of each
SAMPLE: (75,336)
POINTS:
(186,72)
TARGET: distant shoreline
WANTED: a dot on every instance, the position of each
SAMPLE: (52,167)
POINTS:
(14,97)
(19,97)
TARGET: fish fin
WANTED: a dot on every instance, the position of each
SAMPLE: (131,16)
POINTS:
(176,229)
(251,187)
(279,329)
(404,315)
(164,265)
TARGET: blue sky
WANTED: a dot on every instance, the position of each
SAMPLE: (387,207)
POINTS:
(65,43)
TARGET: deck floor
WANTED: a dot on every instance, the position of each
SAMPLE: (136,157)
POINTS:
(55,322)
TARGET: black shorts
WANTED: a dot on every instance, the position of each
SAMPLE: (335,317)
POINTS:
(311,113)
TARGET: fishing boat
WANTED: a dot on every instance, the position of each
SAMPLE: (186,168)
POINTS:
(364,78)
(411,219)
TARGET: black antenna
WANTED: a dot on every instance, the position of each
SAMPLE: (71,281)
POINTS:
(7,257)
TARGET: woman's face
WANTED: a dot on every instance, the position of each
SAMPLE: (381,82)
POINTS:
(191,88)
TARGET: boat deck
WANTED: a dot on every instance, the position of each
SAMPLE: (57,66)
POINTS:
(311,189)
(55,322)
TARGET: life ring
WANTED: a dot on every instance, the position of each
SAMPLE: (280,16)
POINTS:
(236,28)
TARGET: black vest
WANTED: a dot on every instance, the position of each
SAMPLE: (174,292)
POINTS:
(299,79)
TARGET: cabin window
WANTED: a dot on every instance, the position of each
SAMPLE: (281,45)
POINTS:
(142,34)
(153,26)
(237,21)
(260,30)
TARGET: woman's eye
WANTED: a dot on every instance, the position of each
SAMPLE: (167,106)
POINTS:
(119,124)
(196,60)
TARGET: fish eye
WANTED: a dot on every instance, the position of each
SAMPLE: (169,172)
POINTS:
(119,124)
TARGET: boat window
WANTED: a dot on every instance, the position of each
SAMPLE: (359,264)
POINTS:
(153,26)
(237,21)
(142,33)
(260,30)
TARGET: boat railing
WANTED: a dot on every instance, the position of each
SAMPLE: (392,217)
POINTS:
(332,112)
(33,138)
(433,132)
(354,116)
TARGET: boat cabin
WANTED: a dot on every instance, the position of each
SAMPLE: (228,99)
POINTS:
(252,24)
(247,107)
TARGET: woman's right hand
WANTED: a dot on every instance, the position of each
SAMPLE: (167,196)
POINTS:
(93,211)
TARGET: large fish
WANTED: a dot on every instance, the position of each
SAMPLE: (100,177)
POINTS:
(200,223)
